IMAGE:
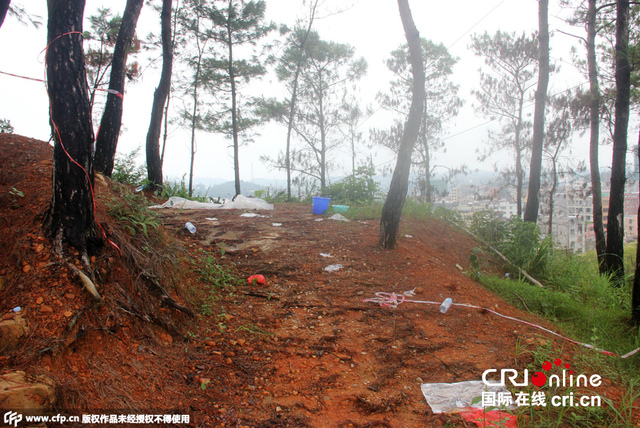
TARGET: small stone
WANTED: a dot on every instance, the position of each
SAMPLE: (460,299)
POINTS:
(39,300)
(70,296)
(278,409)
(26,268)
(39,247)
(68,314)
(46,309)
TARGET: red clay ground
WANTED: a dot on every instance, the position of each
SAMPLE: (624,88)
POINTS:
(301,351)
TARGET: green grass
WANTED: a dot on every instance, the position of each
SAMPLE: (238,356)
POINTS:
(132,211)
(584,307)
(214,277)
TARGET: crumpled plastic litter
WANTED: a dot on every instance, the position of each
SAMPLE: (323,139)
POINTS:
(258,279)
(333,268)
(338,217)
(252,215)
(452,397)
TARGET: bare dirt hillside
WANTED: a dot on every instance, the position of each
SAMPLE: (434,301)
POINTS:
(302,350)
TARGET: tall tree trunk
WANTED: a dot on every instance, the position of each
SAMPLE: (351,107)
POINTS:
(154,164)
(323,143)
(165,131)
(614,257)
(533,202)
(165,128)
(519,180)
(392,209)
(554,186)
(234,126)
(70,218)
(594,138)
(4,8)
(427,157)
(635,294)
(234,106)
(194,124)
(109,131)
(294,98)
(518,147)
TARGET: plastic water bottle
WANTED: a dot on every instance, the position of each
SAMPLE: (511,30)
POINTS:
(444,307)
(190,227)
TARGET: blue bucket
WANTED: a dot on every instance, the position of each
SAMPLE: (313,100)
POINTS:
(320,205)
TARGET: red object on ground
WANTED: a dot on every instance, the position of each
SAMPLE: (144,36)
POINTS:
(492,418)
(259,279)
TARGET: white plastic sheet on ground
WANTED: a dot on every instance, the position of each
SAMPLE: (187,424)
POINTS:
(338,217)
(452,397)
(240,203)
(333,268)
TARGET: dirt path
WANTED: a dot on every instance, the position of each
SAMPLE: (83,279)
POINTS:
(331,359)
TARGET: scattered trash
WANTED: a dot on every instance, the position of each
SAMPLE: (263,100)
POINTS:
(276,224)
(338,217)
(211,218)
(326,255)
(333,268)
(444,307)
(340,208)
(454,397)
(408,236)
(459,267)
(507,275)
(256,279)
(17,309)
(140,188)
(249,215)
(319,219)
(190,227)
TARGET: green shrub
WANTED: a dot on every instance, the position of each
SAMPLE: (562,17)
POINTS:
(132,210)
(488,226)
(358,188)
(179,189)
(519,241)
(5,126)
(126,171)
